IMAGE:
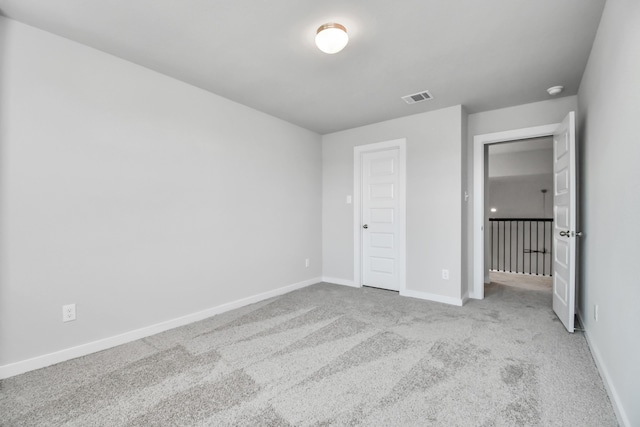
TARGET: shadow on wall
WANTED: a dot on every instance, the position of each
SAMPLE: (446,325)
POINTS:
(3,171)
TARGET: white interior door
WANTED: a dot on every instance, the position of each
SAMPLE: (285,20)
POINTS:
(380,224)
(564,214)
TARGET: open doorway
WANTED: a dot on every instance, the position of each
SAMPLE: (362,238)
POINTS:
(481,208)
(519,207)
(565,230)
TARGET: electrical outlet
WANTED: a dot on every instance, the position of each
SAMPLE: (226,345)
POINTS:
(306,262)
(68,312)
(445,274)
(595,312)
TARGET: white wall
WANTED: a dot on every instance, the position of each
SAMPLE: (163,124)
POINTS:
(515,183)
(520,196)
(518,163)
(434,198)
(138,197)
(609,99)
(521,116)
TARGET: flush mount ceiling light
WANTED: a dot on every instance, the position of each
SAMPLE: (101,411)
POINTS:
(331,38)
(555,90)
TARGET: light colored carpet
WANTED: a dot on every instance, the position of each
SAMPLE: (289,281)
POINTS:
(522,281)
(332,355)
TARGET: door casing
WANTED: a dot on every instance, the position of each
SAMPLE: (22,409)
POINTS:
(358,151)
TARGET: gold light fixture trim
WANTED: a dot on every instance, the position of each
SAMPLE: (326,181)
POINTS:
(331,37)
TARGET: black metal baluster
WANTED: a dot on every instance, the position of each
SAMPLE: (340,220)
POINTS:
(498,246)
(537,245)
(517,245)
(530,264)
(544,248)
(510,245)
(491,222)
(504,246)
(550,239)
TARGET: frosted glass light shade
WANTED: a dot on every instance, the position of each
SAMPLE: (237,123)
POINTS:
(555,90)
(331,38)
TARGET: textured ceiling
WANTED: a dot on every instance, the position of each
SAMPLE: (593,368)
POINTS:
(481,54)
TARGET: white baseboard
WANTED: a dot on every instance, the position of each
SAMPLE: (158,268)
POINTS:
(473,295)
(621,414)
(465,298)
(45,360)
(432,297)
(342,282)
(405,293)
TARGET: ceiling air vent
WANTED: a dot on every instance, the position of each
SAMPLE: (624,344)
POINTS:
(417,97)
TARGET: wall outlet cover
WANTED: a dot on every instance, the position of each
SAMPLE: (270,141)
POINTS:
(68,312)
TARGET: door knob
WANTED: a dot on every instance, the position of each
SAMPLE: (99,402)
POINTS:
(565,234)
(365,226)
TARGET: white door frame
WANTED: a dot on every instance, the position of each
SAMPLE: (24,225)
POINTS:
(479,143)
(358,151)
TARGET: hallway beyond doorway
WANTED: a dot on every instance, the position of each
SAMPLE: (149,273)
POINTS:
(523,281)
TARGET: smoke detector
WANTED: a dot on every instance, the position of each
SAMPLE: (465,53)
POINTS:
(425,95)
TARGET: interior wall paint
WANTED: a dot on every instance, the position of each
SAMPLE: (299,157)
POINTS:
(520,196)
(609,100)
(515,183)
(520,163)
(434,212)
(138,197)
(521,116)
(504,119)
